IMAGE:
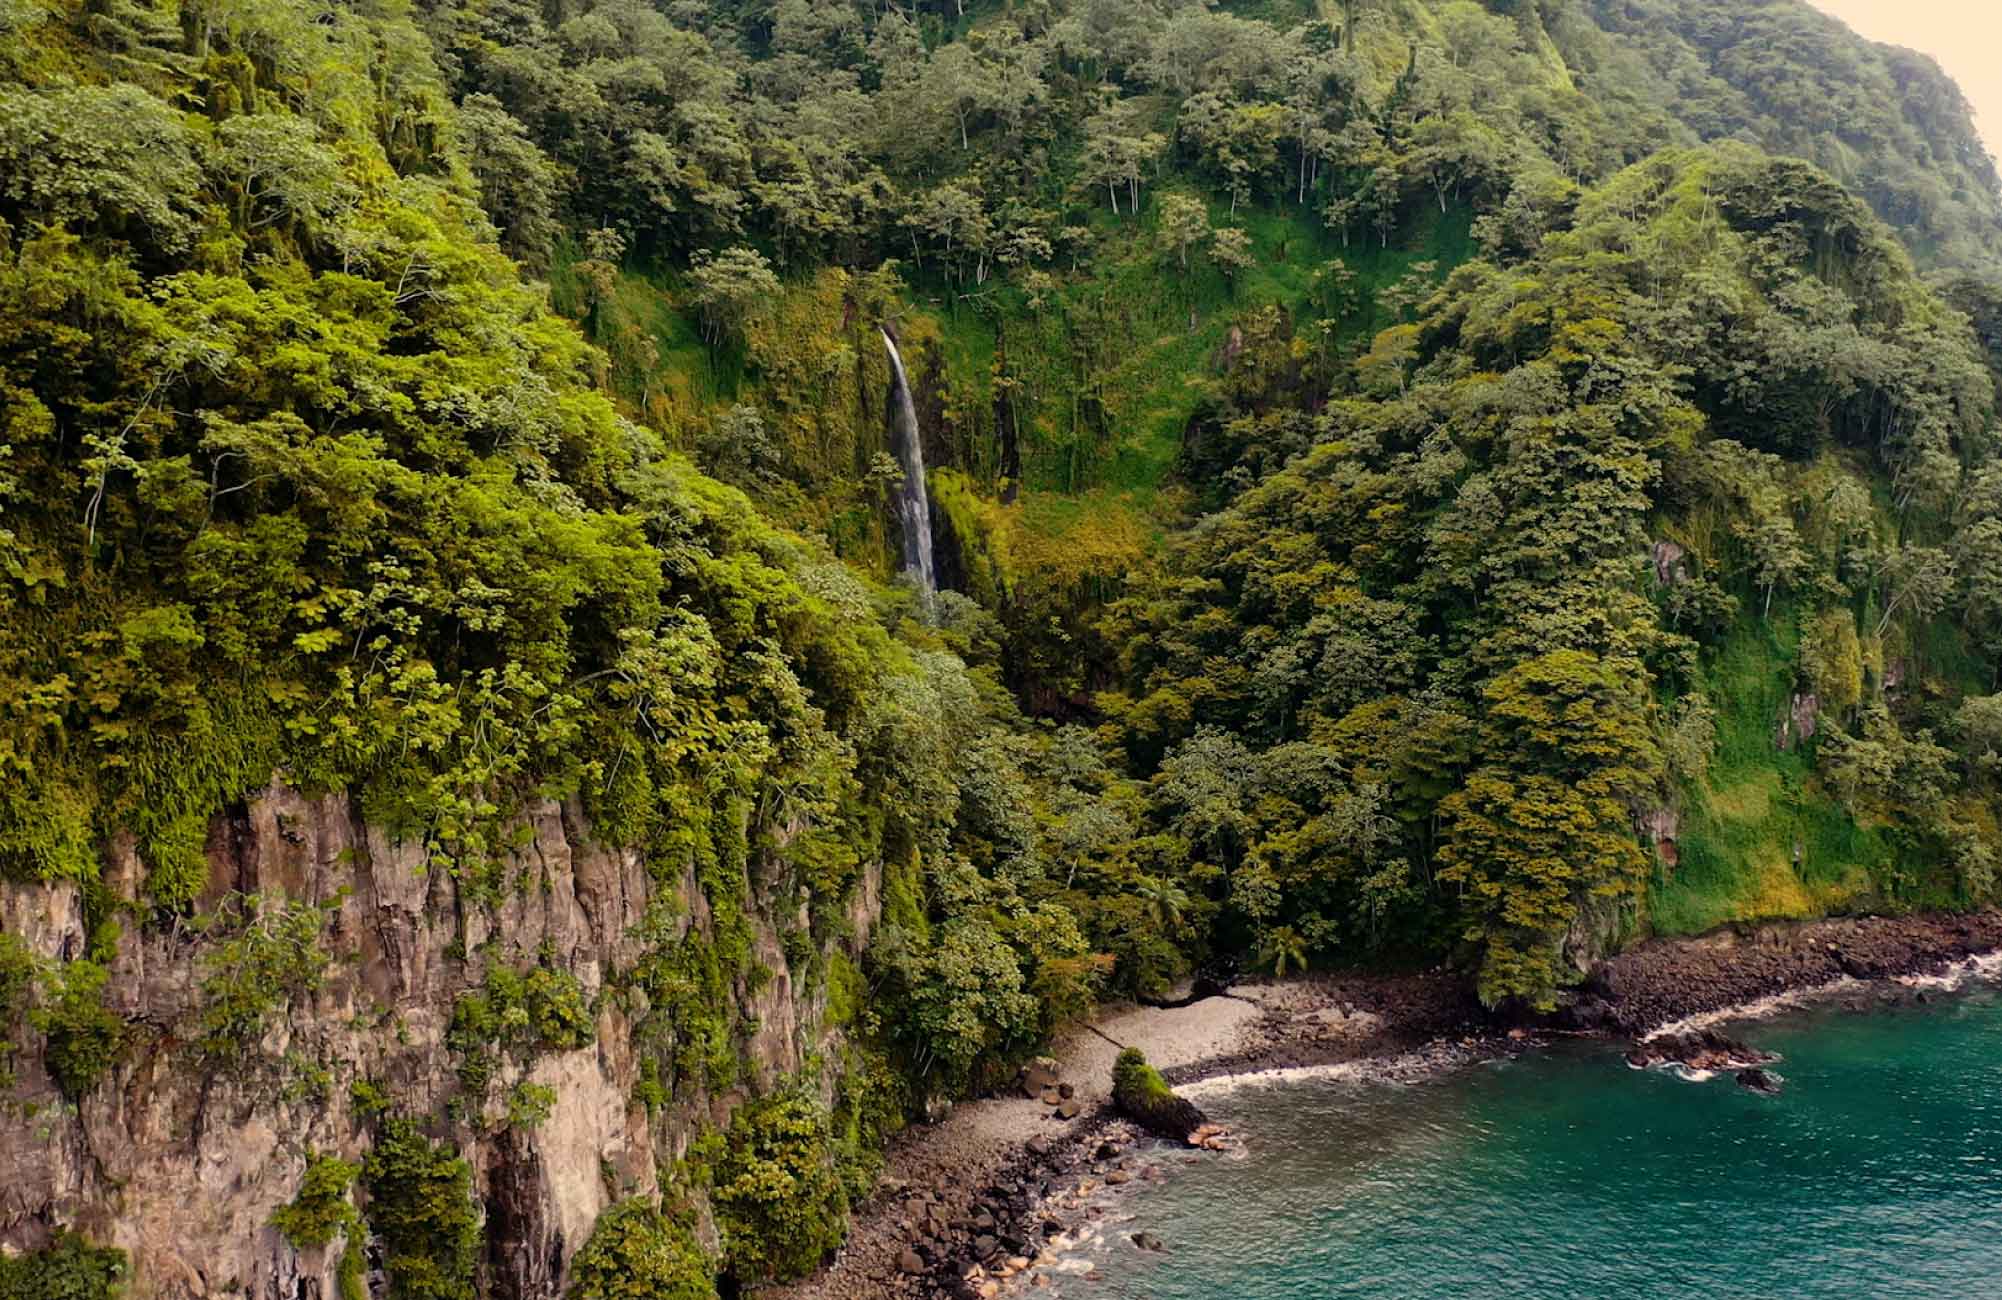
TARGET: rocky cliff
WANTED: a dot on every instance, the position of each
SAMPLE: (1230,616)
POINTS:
(181,1157)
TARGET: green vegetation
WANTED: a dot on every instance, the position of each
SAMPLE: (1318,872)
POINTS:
(321,1211)
(1416,481)
(68,1268)
(17,982)
(420,1209)
(1145,1097)
(541,1009)
(84,1037)
(778,1200)
(637,1252)
(266,957)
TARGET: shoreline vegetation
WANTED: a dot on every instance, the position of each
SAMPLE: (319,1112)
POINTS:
(990,1196)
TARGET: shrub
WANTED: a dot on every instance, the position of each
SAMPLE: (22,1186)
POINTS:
(638,1253)
(777,1197)
(17,976)
(271,959)
(68,1268)
(421,1208)
(541,1009)
(529,1104)
(85,1036)
(321,1211)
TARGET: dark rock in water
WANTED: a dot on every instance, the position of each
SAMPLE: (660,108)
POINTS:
(1148,1241)
(1106,1151)
(1038,1145)
(1144,1097)
(1760,1081)
(1705,1049)
(1070,1109)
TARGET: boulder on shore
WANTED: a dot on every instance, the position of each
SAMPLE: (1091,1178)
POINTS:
(1038,1075)
(1144,1097)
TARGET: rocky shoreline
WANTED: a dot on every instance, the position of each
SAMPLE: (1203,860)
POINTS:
(970,1214)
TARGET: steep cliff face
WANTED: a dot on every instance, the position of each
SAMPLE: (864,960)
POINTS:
(182,1159)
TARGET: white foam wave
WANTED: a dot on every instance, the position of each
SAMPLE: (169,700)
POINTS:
(1757,1009)
(1405,1068)
(1984,966)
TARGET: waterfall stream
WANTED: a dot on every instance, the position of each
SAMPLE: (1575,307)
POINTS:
(913,505)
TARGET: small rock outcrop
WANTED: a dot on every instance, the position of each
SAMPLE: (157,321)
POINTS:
(1144,1097)
(1761,1081)
(1703,1049)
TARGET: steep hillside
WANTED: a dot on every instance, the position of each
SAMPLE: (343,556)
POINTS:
(481,812)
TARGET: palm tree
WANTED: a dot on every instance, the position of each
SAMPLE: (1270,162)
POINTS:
(1283,949)
(1164,899)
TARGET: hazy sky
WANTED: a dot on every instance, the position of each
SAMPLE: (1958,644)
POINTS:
(1964,35)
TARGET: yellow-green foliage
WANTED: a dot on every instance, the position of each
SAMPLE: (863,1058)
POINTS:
(637,1252)
(265,957)
(1831,660)
(540,1009)
(778,1199)
(84,1036)
(322,1210)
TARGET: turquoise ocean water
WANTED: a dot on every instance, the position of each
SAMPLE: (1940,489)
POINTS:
(1878,1173)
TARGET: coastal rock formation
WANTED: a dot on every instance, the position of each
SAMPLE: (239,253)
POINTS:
(1703,1049)
(181,1157)
(1664,980)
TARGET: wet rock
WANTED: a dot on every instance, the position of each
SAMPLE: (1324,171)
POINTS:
(1070,1109)
(1760,1081)
(910,1262)
(1148,1241)
(1118,1177)
(1704,1049)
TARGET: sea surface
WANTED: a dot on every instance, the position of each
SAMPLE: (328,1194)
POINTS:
(1564,1173)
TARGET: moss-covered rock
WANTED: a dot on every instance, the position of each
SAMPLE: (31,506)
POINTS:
(1144,1097)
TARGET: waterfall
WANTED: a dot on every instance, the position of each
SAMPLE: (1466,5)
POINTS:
(913,506)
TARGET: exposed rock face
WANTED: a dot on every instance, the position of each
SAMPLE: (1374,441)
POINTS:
(1798,722)
(1668,566)
(181,1163)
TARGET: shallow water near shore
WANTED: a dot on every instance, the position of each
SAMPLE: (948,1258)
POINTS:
(1564,1172)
